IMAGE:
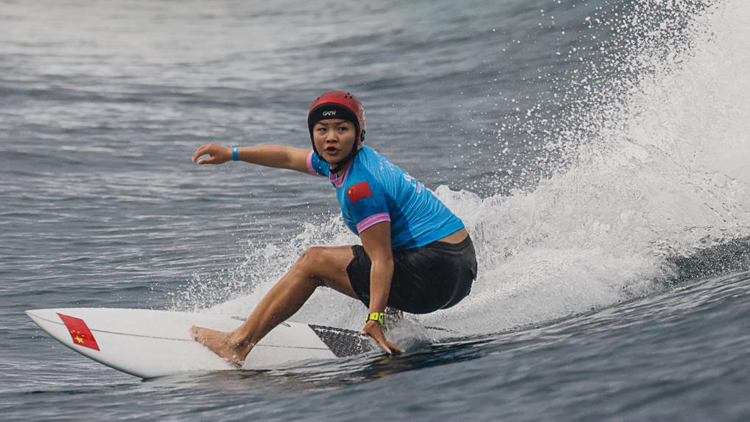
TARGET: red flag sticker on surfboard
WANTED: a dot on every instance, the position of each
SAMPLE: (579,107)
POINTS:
(358,191)
(79,331)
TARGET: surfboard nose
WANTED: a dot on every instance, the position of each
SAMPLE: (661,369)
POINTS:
(42,317)
(33,314)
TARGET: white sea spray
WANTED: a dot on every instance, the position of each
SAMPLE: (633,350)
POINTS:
(644,163)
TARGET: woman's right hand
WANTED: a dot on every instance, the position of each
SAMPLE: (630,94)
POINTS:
(217,154)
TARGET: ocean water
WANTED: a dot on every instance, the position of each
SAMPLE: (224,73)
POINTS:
(596,151)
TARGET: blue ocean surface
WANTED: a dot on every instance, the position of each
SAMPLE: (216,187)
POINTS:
(596,151)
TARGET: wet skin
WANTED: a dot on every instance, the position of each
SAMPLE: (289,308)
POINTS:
(318,266)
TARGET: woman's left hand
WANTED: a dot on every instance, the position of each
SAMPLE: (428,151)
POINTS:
(372,329)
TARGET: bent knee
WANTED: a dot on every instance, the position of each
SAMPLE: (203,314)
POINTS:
(311,261)
(311,257)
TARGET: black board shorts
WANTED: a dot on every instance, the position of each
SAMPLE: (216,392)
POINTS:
(434,276)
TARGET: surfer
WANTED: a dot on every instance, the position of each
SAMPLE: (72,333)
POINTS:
(416,255)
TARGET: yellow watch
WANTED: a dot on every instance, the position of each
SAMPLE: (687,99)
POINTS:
(376,316)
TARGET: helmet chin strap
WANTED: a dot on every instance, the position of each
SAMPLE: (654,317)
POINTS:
(349,157)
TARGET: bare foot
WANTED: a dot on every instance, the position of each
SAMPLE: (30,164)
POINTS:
(221,343)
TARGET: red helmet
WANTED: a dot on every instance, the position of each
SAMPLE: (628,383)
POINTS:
(338,105)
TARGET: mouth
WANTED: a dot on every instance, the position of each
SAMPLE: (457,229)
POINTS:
(331,150)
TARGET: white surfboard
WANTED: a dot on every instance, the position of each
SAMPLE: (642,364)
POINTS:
(148,343)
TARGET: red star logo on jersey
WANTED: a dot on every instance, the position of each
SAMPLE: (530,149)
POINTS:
(358,191)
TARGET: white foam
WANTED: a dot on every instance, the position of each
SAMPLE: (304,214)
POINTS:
(665,176)
(665,173)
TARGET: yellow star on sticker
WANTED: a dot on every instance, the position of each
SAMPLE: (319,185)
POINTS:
(79,339)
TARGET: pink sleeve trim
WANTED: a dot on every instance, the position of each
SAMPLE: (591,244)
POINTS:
(372,220)
(310,167)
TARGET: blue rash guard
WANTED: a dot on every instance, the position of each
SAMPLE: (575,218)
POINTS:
(373,190)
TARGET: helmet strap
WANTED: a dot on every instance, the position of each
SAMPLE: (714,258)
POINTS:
(349,157)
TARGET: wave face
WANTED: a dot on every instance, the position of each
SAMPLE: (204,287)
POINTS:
(652,170)
(595,149)
(638,150)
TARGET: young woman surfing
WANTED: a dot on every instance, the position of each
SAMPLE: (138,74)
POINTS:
(416,256)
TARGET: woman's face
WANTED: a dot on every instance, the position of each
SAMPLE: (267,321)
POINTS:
(334,139)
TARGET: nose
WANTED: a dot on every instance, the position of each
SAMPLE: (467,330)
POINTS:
(331,135)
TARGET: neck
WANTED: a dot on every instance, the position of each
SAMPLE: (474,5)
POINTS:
(340,171)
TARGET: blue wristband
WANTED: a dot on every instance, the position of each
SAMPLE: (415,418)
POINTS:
(235,154)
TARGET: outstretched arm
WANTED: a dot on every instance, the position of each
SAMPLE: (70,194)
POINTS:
(279,156)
